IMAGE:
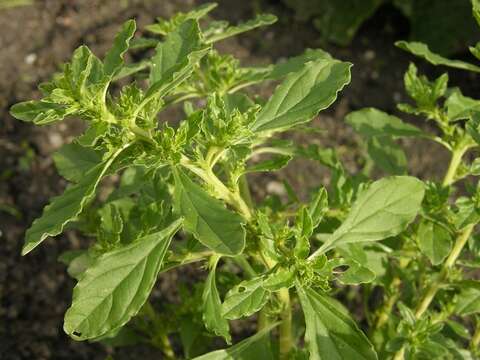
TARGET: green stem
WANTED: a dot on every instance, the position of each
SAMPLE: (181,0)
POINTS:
(245,190)
(232,198)
(455,162)
(447,265)
(285,329)
(460,242)
(245,265)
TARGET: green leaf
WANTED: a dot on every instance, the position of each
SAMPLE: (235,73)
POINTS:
(207,218)
(303,94)
(66,207)
(275,163)
(387,155)
(164,27)
(330,332)
(174,60)
(38,112)
(370,122)
(244,299)
(421,50)
(460,107)
(383,210)
(177,46)
(434,240)
(113,61)
(114,289)
(356,274)
(73,161)
(295,64)
(259,21)
(468,300)
(255,347)
(318,206)
(279,279)
(212,306)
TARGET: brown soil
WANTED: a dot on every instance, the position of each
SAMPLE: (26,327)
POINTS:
(35,290)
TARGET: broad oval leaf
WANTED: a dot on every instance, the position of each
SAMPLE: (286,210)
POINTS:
(117,285)
(245,299)
(303,94)
(434,240)
(383,210)
(468,301)
(331,334)
(207,218)
(73,161)
(372,122)
(212,306)
(387,155)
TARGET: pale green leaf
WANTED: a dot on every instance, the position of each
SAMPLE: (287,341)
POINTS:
(468,301)
(383,210)
(260,20)
(38,112)
(331,334)
(371,122)
(460,107)
(113,61)
(117,285)
(244,299)
(421,50)
(356,274)
(73,161)
(303,94)
(207,218)
(434,240)
(65,208)
(318,206)
(255,347)
(387,155)
(295,64)
(212,306)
